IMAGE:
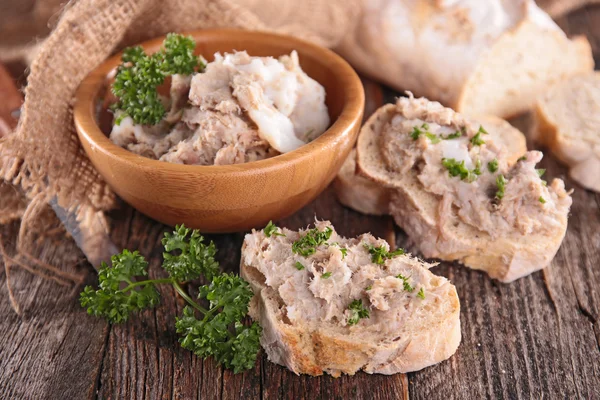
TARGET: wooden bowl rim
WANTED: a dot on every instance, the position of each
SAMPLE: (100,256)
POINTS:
(85,109)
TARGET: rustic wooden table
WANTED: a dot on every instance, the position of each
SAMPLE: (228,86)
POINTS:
(538,337)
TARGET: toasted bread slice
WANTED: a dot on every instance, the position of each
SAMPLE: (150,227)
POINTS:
(359,193)
(368,197)
(338,311)
(566,121)
(464,220)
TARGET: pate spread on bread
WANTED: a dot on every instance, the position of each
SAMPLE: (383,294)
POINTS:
(477,57)
(456,194)
(336,305)
(567,121)
(368,197)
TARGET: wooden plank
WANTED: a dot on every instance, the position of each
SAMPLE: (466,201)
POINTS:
(53,350)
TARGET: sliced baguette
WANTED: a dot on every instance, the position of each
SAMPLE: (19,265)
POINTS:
(567,121)
(368,197)
(505,257)
(359,193)
(304,313)
(478,57)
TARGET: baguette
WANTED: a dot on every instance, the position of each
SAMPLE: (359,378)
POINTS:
(566,121)
(304,305)
(488,57)
(368,197)
(506,229)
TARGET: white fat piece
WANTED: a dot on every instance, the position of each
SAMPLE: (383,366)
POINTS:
(285,103)
(456,149)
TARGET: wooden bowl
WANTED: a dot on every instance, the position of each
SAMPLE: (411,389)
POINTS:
(232,197)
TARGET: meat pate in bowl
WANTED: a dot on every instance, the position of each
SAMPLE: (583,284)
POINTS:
(272,157)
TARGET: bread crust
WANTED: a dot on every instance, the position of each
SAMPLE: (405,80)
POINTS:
(358,192)
(505,259)
(314,351)
(385,46)
(582,157)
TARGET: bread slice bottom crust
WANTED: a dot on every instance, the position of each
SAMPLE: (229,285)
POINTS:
(505,258)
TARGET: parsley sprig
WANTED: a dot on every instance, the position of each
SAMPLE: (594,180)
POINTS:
(307,244)
(218,332)
(357,311)
(379,254)
(140,74)
(458,168)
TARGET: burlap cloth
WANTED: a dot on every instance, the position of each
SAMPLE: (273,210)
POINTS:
(43,157)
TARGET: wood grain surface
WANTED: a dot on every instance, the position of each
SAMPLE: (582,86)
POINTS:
(538,337)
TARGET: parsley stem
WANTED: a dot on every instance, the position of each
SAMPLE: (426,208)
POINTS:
(146,282)
(187,298)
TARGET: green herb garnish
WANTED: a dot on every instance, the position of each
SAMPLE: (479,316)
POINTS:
(218,332)
(407,286)
(501,184)
(477,140)
(416,133)
(542,200)
(380,254)
(540,172)
(457,168)
(421,294)
(454,135)
(369,287)
(477,170)
(482,130)
(272,229)
(522,158)
(434,138)
(307,245)
(326,275)
(357,312)
(493,165)
(299,266)
(140,74)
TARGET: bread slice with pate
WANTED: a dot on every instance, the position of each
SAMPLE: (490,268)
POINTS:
(333,305)
(368,197)
(456,193)
(567,121)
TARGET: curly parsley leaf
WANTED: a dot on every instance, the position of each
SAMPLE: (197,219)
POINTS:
(307,244)
(421,294)
(111,301)
(357,311)
(493,165)
(219,332)
(177,56)
(140,74)
(186,257)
